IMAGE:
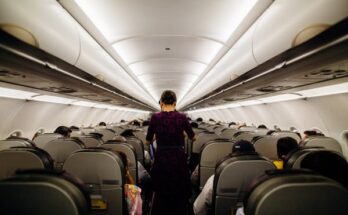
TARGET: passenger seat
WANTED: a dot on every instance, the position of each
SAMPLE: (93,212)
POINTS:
(42,139)
(21,158)
(42,193)
(103,172)
(232,179)
(60,149)
(296,192)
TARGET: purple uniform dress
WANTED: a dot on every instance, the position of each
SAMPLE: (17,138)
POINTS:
(170,172)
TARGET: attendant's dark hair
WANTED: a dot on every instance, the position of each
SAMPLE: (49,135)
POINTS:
(168,97)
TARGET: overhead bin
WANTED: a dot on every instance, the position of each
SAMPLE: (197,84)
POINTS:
(289,23)
(42,23)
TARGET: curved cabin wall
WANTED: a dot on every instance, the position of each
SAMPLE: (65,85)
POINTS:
(30,116)
(328,113)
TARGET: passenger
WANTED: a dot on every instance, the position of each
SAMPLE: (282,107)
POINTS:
(122,121)
(127,133)
(262,126)
(170,173)
(284,146)
(194,125)
(306,135)
(231,123)
(63,130)
(205,198)
(146,123)
(328,164)
(199,120)
(102,124)
(132,192)
(241,125)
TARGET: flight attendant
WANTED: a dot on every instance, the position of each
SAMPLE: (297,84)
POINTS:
(170,172)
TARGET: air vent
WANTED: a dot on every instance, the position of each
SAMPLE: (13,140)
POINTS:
(5,73)
(327,72)
(270,89)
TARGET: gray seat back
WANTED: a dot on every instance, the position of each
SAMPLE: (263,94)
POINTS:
(42,139)
(232,179)
(201,139)
(9,143)
(250,135)
(129,151)
(22,158)
(104,175)
(297,193)
(60,149)
(212,153)
(267,145)
(86,131)
(280,134)
(140,134)
(139,148)
(90,141)
(108,134)
(228,133)
(41,195)
(325,142)
(296,157)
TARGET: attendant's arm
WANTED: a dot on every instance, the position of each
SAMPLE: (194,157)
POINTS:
(150,132)
(188,130)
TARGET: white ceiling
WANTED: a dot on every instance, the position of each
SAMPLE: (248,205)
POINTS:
(195,31)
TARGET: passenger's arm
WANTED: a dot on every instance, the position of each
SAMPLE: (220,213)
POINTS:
(205,198)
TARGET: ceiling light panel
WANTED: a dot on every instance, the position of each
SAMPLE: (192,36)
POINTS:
(167,65)
(213,19)
(15,94)
(279,98)
(327,90)
(162,46)
(164,36)
(53,99)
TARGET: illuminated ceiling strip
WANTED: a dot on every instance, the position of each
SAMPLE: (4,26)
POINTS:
(26,95)
(310,93)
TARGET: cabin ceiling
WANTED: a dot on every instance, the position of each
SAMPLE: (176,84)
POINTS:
(165,44)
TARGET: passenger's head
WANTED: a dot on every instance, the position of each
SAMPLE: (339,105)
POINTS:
(127,133)
(309,133)
(102,124)
(262,126)
(63,130)
(199,119)
(168,98)
(194,124)
(231,124)
(136,123)
(285,145)
(211,120)
(189,119)
(146,123)
(122,120)
(328,164)
(242,147)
